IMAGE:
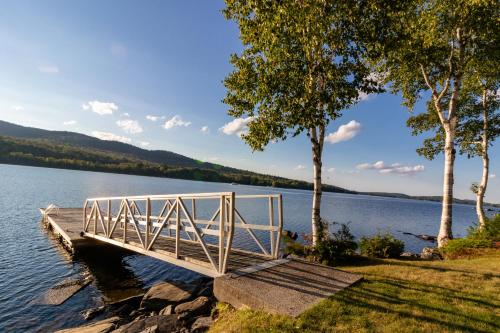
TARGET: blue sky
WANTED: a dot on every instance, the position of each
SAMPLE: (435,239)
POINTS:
(102,67)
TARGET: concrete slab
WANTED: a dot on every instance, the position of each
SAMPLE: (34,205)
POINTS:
(289,288)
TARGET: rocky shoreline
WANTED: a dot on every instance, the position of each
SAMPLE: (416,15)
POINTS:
(165,307)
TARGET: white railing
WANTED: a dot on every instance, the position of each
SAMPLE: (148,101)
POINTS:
(178,218)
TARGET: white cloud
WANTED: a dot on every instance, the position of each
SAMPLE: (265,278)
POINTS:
(331,170)
(493,176)
(17,107)
(48,69)
(393,168)
(238,126)
(344,133)
(205,130)
(118,49)
(129,126)
(101,108)
(111,137)
(144,143)
(152,118)
(213,159)
(69,123)
(299,167)
(175,121)
(126,114)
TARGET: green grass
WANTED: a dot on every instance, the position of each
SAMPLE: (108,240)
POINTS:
(396,296)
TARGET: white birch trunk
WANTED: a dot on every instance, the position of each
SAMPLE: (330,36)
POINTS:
(482,190)
(445,233)
(486,166)
(317,150)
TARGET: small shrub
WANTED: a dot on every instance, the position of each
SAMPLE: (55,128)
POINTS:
(336,246)
(491,230)
(381,246)
(463,247)
(331,248)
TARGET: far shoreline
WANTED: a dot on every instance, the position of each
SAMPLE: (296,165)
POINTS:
(371,194)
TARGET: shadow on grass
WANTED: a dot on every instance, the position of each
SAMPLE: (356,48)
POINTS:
(360,261)
(425,303)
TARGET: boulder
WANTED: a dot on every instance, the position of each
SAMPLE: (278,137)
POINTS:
(166,293)
(199,306)
(430,253)
(201,324)
(409,255)
(152,324)
(92,313)
(103,326)
(168,310)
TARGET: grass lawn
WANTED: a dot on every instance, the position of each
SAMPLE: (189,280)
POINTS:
(395,296)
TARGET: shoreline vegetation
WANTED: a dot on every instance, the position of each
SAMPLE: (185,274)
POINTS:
(52,154)
(42,152)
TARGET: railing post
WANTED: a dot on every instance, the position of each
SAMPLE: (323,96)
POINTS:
(230,235)
(95,218)
(148,222)
(221,232)
(280,225)
(125,223)
(84,215)
(271,223)
(178,228)
(108,225)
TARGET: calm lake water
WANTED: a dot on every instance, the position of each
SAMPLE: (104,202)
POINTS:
(31,261)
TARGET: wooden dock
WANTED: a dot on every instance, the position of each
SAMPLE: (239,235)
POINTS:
(166,228)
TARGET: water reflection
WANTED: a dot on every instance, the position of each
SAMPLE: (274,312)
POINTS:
(112,275)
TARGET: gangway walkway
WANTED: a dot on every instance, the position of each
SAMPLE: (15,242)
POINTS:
(233,238)
(176,228)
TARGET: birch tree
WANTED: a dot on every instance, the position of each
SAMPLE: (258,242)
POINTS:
(479,127)
(427,49)
(479,133)
(299,69)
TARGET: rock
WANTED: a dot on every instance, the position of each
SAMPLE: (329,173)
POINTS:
(168,310)
(152,324)
(409,255)
(207,291)
(427,237)
(201,324)
(199,306)
(132,301)
(430,253)
(165,293)
(103,326)
(91,313)
(152,329)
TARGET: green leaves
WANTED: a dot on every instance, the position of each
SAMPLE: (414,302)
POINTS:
(300,68)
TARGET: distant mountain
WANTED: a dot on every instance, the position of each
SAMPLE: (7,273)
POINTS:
(69,150)
(82,140)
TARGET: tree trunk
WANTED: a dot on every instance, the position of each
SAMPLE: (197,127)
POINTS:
(445,233)
(317,150)
(482,190)
(486,166)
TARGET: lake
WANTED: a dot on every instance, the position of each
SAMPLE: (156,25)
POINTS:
(31,261)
